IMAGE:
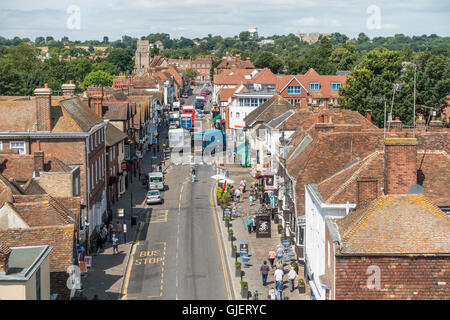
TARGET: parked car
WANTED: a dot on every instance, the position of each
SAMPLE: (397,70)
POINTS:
(154,196)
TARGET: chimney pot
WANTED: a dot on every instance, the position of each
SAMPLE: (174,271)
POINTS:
(46,85)
(369,115)
(38,162)
(43,108)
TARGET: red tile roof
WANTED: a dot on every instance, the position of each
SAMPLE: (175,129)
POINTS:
(235,76)
(265,76)
(226,93)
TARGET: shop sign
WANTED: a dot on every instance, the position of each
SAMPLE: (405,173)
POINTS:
(263,226)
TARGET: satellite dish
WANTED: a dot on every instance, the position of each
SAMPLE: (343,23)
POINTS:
(416,189)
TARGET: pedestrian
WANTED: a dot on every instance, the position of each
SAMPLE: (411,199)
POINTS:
(99,242)
(119,230)
(280,253)
(278,274)
(272,255)
(237,194)
(160,167)
(272,294)
(254,223)
(104,234)
(95,297)
(234,156)
(249,225)
(157,147)
(291,276)
(250,199)
(264,272)
(110,230)
(241,189)
(243,184)
(115,242)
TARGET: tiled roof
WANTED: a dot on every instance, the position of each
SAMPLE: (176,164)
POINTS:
(115,111)
(4,250)
(269,110)
(433,165)
(226,93)
(83,117)
(33,187)
(18,116)
(114,135)
(265,76)
(234,76)
(40,211)
(396,224)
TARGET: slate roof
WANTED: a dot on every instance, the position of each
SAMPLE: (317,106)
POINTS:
(280,119)
(396,224)
(269,110)
(114,135)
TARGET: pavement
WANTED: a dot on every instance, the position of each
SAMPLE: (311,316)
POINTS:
(258,248)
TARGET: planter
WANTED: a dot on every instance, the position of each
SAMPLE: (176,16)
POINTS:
(238,269)
(227,223)
(230,237)
(233,252)
(301,289)
(275,219)
(244,289)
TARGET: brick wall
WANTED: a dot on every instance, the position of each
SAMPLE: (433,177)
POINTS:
(60,238)
(57,184)
(366,191)
(400,165)
(400,278)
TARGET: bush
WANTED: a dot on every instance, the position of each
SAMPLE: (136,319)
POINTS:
(233,247)
(227,218)
(230,232)
(237,265)
(280,226)
(294,264)
(275,217)
(301,282)
(244,284)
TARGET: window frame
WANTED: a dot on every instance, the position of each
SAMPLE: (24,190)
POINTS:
(316,86)
(24,148)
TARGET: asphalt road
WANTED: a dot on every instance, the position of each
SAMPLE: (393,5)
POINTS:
(178,253)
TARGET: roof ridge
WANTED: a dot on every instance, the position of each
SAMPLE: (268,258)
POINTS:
(365,162)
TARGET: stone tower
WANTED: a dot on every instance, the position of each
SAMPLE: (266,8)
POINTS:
(142,58)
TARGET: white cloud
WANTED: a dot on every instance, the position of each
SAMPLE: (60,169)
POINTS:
(389,26)
(308,22)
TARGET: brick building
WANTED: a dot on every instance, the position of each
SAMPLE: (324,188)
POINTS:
(397,246)
(69,129)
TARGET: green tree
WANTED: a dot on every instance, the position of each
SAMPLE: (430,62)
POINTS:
(191,73)
(244,36)
(372,79)
(269,60)
(343,58)
(122,58)
(96,78)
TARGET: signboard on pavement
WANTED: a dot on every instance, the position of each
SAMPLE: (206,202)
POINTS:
(88,261)
(263,226)
(121,213)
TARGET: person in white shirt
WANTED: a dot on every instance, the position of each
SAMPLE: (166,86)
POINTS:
(291,276)
(279,281)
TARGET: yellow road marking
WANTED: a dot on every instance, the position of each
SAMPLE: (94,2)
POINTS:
(162,217)
(130,265)
(222,258)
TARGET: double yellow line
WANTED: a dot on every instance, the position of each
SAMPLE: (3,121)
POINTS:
(219,242)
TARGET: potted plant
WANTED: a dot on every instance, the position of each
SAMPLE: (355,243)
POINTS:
(280,227)
(233,251)
(295,265)
(244,289)
(301,285)
(238,269)
(227,221)
(275,219)
(230,235)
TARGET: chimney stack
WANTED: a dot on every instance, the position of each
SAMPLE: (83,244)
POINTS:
(68,89)
(400,165)
(396,124)
(369,115)
(4,258)
(366,191)
(43,108)
(95,95)
(38,162)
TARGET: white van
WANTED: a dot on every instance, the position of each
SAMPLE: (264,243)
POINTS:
(156,181)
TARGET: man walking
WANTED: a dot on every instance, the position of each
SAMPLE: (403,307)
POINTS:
(272,255)
(254,223)
(249,225)
(291,276)
(237,194)
(278,274)
(264,272)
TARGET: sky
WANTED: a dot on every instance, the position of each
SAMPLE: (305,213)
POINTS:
(94,19)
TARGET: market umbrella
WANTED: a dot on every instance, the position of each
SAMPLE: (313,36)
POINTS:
(227,180)
(218,177)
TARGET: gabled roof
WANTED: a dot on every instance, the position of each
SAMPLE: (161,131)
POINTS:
(275,123)
(265,76)
(226,93)
(114,135)
(82,116)
(269,110)
(396,224)
(116,111)
(234,76)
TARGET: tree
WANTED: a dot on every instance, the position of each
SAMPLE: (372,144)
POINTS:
(39,40)
(96,78)
(363,38)
(244,36)
(48,39)
(269,60)
(343,58)
(371,80)
(122,58)
(191,73)
(154,51)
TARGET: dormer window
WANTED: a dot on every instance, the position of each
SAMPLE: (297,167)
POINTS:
(335,86)
(314,86)
(294,90)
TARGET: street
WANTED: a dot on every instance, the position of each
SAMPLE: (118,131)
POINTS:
(178,253)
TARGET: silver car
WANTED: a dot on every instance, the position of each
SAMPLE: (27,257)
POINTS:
(154,196)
